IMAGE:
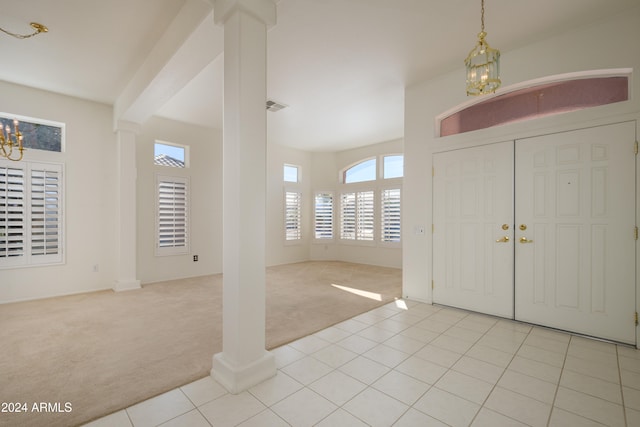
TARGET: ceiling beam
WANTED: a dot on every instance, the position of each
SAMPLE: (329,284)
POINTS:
(191,42)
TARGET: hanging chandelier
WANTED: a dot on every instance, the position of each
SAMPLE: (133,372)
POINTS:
(11,142)
(483,65)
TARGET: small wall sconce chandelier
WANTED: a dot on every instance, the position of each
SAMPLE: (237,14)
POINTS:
(483,65)
(10,141)
(39,28)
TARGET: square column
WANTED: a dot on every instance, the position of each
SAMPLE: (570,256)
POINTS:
(244,361)
(127,237)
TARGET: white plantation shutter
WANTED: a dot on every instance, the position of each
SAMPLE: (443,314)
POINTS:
(45,212)
(324,216)
(390,214)
(172,215)
(293,215)
(366,215)
(13,211)
(348,216)
(357,216)
(30,214)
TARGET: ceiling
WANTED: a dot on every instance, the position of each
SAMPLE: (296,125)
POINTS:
(340,66)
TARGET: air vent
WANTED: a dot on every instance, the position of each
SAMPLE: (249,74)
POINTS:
(274,106)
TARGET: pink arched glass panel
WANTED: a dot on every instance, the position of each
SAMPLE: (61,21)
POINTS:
(537,101)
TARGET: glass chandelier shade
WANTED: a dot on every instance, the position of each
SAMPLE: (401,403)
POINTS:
(483,66)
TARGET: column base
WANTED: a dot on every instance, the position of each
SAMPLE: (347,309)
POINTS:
(126,285)
(238,379)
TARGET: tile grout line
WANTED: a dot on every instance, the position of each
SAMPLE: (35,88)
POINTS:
(501,375)
(624,407)
(367,386)
(555,395)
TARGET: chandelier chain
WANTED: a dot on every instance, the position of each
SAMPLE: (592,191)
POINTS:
(39,28)
(482,15)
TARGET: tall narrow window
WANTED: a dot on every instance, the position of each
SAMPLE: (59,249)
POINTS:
(173,215)
(357,216)
(366,215)
(30,214)
(293,215)
(348,216)
(45,212)
(390,214)
(324,215)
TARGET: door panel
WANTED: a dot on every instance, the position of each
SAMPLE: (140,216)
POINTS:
(575,268)
(473,254)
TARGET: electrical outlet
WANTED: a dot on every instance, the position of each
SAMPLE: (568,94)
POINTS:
(195,258)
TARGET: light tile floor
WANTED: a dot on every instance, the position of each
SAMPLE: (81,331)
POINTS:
(412,364)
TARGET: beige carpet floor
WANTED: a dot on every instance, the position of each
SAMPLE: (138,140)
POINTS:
(92,354)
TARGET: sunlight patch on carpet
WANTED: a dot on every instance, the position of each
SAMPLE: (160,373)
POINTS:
(360,292)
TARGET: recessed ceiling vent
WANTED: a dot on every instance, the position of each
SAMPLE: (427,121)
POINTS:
(274,106)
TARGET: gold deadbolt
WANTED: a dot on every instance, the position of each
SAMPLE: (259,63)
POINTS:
(505,226)
(523,227)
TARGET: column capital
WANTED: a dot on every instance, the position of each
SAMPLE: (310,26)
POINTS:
(127,126)
(264,10)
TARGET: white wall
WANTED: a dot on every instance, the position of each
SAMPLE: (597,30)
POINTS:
(205,175)
(279,251)
(89,196)
(612,43)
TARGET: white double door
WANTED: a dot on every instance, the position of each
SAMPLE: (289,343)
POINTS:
(541,230)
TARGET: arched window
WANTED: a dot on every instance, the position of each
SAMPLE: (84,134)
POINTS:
(530,100)
(361,172)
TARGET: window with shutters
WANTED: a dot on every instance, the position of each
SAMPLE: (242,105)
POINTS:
(370,209)
(357,216)
(30,214)
(293,215)
(390,215)
(172,224)
(323,215)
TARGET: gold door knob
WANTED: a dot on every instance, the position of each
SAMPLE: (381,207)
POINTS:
(505,239)
(525,240)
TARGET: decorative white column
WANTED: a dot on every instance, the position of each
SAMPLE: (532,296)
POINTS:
(244,361)
(126,152)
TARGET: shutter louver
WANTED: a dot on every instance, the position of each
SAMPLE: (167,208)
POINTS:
(12,212)
(365,215)
(30,214)
(390,207)
(45,212)
(348,216)
(173,214)
(293,215)
(324,216)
